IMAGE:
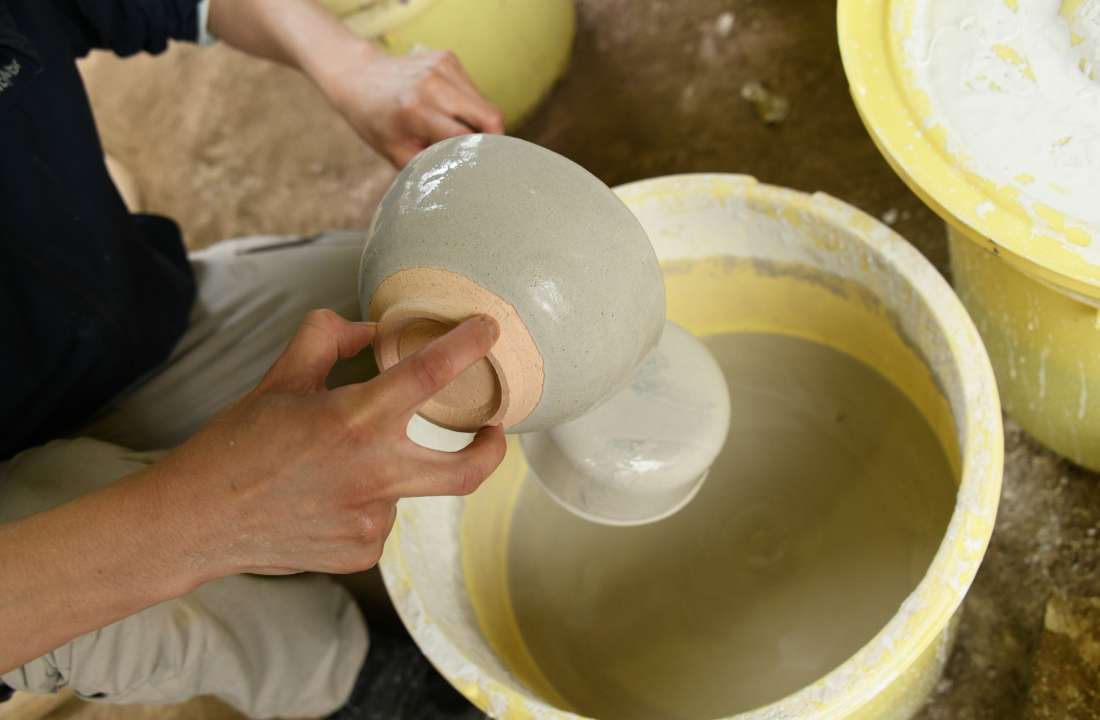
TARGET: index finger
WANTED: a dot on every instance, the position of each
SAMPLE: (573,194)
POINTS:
(403,388)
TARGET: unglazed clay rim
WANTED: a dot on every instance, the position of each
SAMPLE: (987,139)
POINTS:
(449,297)
(392,325)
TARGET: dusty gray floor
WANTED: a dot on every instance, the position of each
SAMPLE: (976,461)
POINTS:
(229,145)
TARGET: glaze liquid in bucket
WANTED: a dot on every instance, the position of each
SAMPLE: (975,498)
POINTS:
(766,590)
(821,516)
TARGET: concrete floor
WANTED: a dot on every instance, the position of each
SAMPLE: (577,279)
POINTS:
(228,146)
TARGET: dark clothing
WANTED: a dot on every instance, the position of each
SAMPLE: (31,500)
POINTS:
(91,297)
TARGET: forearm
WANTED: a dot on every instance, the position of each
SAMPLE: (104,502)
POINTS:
(298,33)
(88,563)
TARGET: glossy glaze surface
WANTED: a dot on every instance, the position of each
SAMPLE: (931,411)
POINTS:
(545,236)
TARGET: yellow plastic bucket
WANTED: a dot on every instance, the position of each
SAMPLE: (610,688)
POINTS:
(1017,264)
(513,50)
(806,266)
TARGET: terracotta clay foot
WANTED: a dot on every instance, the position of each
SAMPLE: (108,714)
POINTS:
(413,307)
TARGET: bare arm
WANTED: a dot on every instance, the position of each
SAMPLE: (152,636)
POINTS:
(289,478)
(398,105)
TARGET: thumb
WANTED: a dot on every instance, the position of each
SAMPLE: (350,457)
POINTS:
(321,339)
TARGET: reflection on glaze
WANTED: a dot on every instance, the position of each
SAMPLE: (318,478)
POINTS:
(545,293)
(429,182)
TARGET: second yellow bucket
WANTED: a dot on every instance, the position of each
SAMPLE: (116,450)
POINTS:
(1025,271)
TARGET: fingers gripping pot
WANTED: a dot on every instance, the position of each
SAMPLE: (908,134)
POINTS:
(485,224)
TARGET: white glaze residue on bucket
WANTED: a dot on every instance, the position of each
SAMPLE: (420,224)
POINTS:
(1014,84)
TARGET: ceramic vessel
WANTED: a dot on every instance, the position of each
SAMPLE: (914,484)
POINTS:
(792,264)
(487,224)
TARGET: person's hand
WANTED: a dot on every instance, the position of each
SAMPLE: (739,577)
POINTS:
(401,105)
(295,477)
(291,477)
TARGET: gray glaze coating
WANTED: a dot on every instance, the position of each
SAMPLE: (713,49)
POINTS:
(546,236)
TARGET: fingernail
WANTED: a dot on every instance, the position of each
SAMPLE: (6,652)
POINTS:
(367,324)
(491,324)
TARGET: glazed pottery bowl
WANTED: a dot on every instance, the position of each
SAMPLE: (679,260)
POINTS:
(486,224)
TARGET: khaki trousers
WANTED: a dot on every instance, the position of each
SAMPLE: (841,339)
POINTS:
(286,647)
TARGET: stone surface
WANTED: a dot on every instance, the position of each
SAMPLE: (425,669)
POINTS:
(1045,542)
(229,145)
(1067,670)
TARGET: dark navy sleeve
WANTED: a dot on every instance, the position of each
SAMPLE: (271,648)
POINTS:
(91,297)
(127,26)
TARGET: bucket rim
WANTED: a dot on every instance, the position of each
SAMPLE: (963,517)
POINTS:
(925,616)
